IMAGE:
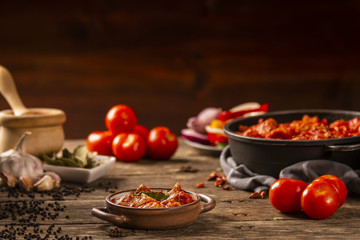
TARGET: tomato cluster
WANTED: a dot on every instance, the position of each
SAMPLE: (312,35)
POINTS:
(319,200)
(128,141)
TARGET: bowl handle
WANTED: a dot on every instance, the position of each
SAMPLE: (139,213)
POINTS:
(103,214)
(343,148)
(210,203)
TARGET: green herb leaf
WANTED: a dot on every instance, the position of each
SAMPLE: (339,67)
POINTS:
(158,196)
(79,158)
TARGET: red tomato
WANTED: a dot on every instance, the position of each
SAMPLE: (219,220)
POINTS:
(320,200)
(129,147)
(100,142)
(120,118)
(142,131)
(285,193)
(338,184)
(161,143)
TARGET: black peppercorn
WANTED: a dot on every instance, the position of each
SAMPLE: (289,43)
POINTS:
(27,212)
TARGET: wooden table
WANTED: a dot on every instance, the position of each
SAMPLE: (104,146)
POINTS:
(235,216)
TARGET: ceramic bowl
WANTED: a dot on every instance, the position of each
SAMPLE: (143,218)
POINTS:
(83,175)
(154,218)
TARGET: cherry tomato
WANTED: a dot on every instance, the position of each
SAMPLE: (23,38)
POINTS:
(161,143)
(100,142)
(120,118)
(319,200)
(142,131)
(129,147)
(285,193)
(338,184)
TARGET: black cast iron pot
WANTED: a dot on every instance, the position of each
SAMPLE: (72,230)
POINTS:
(270,156)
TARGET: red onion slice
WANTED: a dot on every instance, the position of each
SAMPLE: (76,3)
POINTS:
(193,136)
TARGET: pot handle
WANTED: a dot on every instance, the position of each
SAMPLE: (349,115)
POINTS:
(210,203)
(103,214)
(343,148)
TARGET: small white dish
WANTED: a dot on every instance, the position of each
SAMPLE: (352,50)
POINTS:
(83,175)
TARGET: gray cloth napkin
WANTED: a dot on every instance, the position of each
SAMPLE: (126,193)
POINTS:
(239,176)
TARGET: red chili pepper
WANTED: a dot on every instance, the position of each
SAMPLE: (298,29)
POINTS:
(226,115)
(217,138)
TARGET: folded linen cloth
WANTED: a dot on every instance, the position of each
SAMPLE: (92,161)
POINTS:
(239,176)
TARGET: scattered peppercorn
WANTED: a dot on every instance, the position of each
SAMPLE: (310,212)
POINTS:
(26,213)
(107,187)
(117,232)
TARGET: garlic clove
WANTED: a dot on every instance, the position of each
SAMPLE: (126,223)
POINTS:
(26,182)
(19,163)
(46,183)
(8,179)
(56,178)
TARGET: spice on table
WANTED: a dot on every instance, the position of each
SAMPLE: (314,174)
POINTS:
(30,213)
(220,180)
(117,232)
(200,185)
(226,187)
(188,169)
(108,187)
(212,176)
(261,194)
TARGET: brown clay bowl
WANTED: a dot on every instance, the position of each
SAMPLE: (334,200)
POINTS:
(154,218)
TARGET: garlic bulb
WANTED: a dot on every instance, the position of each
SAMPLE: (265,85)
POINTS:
(18,163)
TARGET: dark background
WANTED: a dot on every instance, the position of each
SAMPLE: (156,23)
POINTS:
(170,59)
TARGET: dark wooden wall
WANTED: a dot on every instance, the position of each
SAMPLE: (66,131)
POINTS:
(170,59)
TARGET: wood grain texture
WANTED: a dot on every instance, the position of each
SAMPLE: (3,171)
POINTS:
(169,60)
(234,217)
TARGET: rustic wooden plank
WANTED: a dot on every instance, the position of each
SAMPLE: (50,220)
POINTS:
(235,215)
(249,223)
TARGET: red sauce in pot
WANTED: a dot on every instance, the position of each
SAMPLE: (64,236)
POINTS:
(143,197)
(308,128)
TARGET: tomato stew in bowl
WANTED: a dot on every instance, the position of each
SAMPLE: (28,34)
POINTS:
(152,216)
